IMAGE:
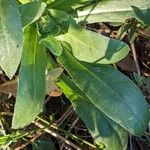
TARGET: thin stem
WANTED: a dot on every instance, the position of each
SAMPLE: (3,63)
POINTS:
(131,142)
(143,33)
(28,142)
(64,116)
(73,124)
(54,126)
(135,59)
(57,135)
(6,114)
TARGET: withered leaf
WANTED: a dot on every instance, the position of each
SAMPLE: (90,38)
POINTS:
(9,87)
(51,87)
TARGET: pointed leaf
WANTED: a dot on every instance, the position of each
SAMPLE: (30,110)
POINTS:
(30,12)
(93,47)
(31,88)
(10,37)
(103,129)
(111,92)
(112,10)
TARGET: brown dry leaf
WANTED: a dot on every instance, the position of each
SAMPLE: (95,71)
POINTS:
(55,93)
(51,88)
(127,64)
(9,87)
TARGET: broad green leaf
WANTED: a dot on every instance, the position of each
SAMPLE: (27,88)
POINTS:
(44,143)
(52,44)
(31,88)
(111,92)
(10,37)
(112,10)
(67,5)
(30,12)
(93,47)
(103,129)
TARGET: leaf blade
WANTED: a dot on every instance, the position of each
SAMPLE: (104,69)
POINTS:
(68,5)
(11,37)
(95,47)
(102,129)
(112,11)
(31,88)
(123,103)
(30,12)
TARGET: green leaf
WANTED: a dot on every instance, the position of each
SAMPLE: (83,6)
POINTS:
(59,16)
(67,5)
(102,129)
(11,37)
(52,44)
(46,24)
(112,10)
(143,16)
(111,92)
(93,47)
(30,12)
(31,88)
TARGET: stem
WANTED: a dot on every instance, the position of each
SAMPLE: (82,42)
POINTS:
(143,34)
(57,135)
(135,59)
(54,126)
(6,114)
(73,124)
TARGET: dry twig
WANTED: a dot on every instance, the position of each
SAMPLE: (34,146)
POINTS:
(57,135)
(135,59)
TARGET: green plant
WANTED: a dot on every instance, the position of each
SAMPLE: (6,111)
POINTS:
(44,35)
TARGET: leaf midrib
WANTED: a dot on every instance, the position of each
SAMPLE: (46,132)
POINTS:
(34,66)
(110,90)
(84,97)
(34,72)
